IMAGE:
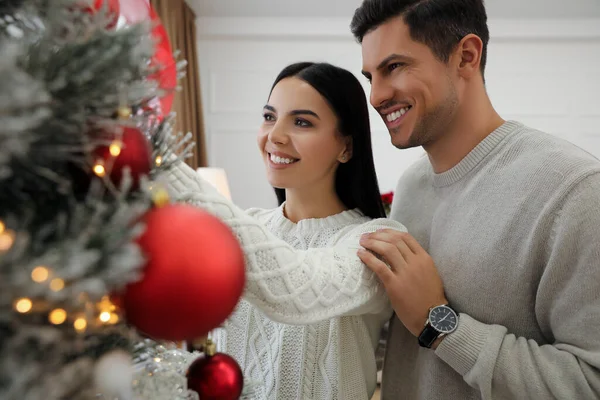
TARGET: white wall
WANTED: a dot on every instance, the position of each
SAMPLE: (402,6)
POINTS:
(543,73)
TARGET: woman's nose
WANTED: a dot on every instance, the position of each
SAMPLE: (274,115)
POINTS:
(278,135)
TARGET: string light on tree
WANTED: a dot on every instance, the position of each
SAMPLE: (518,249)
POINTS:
(160,197)
(80,324)
(107,311)
(40,274)
(23,305)
(57,316)
(124,112)
(129,148)
(99,168)
(104,316)
(57,284)
(7,238)
(115,148)
(114,318)
(105,304)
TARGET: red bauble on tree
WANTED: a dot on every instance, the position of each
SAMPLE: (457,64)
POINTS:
(112,8)
(135,11)
(163,60)
(113,5)
(129,148)
(215,376)
(194,276)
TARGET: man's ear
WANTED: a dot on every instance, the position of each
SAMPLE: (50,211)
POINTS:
(468,55)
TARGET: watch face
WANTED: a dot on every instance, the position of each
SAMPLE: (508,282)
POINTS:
(443,319)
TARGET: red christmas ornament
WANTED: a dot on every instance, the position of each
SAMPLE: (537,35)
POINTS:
(194,277)
(215,376)
(130,149)
(135,11)
(113,5)
(164,61)
(112,10)
(387,198)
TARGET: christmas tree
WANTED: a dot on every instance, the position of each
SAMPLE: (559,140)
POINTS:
(85,137)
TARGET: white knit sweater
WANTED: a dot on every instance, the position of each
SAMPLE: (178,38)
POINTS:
(309,322)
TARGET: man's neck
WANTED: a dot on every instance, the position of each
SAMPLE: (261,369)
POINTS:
(476,119)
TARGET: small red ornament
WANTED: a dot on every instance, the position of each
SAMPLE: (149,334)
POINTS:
(215,376)
(194,277)
(387,198)
(112,10)
(113,5)
(129,149)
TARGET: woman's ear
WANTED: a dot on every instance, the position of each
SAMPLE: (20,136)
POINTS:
(346,154)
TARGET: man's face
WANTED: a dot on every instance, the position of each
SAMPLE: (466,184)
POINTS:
(412,90)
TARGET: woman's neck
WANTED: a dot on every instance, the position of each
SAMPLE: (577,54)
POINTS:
(305,204)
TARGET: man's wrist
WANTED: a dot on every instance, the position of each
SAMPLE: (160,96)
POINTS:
(442,321)
(419,329)
(437,342)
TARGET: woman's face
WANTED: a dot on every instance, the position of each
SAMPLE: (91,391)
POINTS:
(298,138)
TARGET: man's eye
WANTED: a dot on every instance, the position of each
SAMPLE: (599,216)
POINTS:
(393,66)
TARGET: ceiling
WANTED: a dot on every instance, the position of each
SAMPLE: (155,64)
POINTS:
(345,8)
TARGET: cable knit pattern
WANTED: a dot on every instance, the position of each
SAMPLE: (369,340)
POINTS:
(309,322)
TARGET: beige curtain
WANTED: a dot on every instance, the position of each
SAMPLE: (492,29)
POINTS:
(180,23)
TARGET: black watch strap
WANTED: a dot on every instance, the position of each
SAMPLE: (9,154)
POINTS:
(428,336)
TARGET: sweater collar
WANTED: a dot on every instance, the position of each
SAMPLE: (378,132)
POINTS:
(478,154)
(314,224)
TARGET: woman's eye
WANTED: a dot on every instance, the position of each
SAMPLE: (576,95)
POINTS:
(302,123)
(269,117)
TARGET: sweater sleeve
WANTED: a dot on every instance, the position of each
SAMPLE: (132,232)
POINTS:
(503,366)
(289,285)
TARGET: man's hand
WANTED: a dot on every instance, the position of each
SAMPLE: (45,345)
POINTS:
(411,280)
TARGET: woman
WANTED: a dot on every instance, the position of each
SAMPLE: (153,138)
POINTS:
(309,322)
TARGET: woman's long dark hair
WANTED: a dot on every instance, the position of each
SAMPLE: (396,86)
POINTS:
(356,180)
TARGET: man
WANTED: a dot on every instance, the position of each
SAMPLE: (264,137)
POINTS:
(497,289)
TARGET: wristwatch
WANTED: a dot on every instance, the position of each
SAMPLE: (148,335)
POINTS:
(441,321)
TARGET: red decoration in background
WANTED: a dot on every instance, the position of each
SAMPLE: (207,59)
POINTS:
(216,377)
(163,59)
(134,11)
(112,10)
(113,5)
(130,149)
(194,276)
(387,198)
(128,12)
